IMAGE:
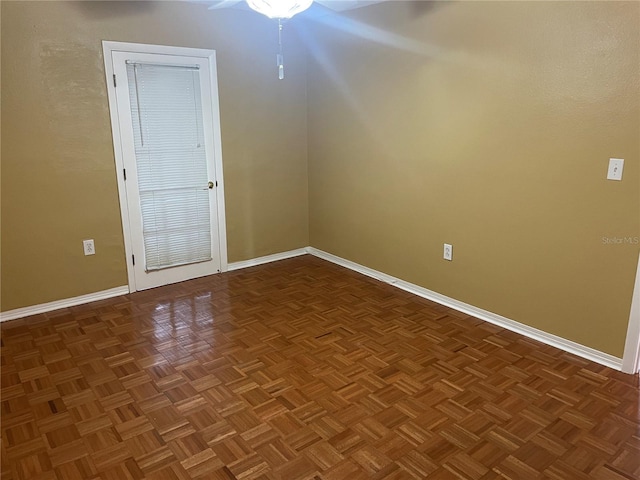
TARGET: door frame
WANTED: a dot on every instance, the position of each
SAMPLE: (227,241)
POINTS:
(631,357)
(111,46)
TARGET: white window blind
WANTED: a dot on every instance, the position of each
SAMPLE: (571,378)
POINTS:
(166,111)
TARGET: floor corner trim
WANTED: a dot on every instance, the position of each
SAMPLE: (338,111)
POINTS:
(252,262)
(64,303)
(569,346)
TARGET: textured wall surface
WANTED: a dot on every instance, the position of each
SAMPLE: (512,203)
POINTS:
(487,125)
(58,172)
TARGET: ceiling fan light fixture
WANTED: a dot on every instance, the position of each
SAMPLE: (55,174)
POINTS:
(279,8)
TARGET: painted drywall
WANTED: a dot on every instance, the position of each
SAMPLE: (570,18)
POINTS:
(489,126)
(58,173)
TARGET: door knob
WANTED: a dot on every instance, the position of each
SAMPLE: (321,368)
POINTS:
(210,184)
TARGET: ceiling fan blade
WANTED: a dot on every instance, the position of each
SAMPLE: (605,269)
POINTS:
(224,4)
(342,5)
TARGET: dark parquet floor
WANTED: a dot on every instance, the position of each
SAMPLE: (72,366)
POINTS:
(302,370)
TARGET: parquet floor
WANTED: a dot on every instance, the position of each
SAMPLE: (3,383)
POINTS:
(302,370)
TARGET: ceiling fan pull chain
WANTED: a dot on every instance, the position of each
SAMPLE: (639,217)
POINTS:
(279,56)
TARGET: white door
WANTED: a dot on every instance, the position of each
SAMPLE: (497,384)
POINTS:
(169,146)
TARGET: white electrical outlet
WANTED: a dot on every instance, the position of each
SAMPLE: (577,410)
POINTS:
(448,252)
(615,169)
(89,247)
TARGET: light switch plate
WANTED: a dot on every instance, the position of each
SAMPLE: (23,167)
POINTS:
(615,169)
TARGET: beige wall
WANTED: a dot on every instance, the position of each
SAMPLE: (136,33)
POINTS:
(487,125)
(58,173)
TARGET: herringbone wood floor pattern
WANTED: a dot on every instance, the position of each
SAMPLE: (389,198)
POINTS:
(302,370)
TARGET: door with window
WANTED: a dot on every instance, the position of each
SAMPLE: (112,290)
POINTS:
(167,139)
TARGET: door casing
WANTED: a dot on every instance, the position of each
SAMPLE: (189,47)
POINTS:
(631,358)
(108,47)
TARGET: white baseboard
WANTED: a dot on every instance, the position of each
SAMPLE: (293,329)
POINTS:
(64,303)
(530,332)
(115,292)
(266,259)
(490,317)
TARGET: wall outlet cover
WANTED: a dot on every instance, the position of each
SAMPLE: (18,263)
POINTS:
(89,247)
(448,252)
